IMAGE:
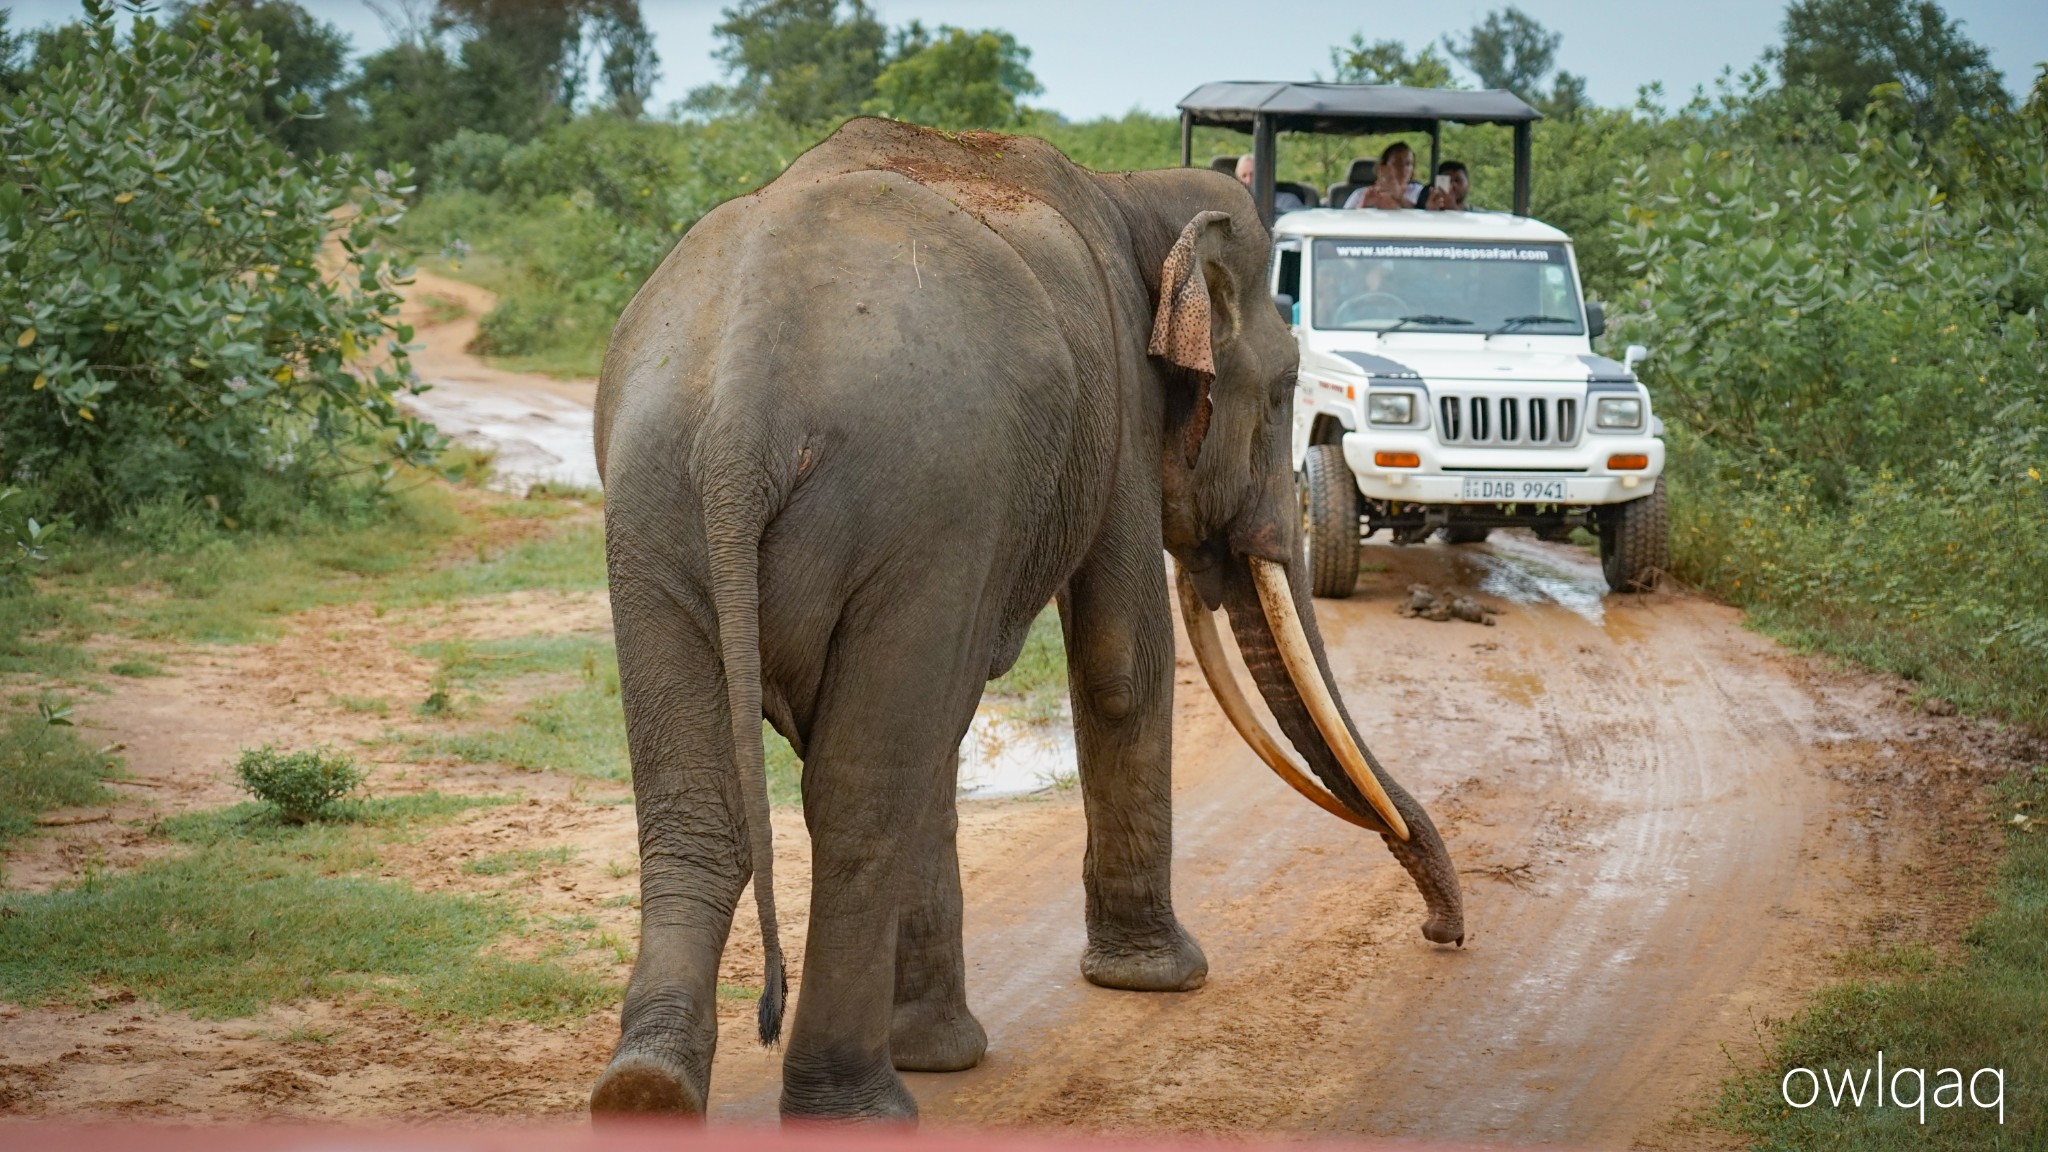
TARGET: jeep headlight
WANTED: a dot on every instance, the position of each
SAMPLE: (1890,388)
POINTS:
(1390,407)
(1615,412)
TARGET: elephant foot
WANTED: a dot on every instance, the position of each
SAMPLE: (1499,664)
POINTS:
(925,1038)
(824,1092)
(1174,964)
(638,1084)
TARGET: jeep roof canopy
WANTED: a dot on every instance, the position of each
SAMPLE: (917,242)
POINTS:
(1265,109)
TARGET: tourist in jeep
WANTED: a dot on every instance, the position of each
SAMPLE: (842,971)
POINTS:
(1451,187)
(1390,187)
(1283,199)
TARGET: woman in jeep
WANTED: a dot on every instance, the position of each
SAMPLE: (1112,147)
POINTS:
(1390,187)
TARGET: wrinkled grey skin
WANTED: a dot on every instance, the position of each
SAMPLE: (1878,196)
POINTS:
(855,431)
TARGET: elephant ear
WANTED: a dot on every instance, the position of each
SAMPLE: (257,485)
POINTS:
(1196,313)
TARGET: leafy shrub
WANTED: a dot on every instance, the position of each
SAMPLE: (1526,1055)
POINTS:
(169,324)
(302,786)
(471,159)
(1851,354)
(24,542)
(519,326)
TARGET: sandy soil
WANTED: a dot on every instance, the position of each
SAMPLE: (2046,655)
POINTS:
(1670,830)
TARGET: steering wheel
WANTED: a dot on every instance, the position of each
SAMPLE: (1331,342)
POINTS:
(1371,306)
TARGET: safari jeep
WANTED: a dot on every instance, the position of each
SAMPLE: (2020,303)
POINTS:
(1448,381)
(1448,385)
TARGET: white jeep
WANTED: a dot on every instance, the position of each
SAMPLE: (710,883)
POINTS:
(1448,384)
(1448,381)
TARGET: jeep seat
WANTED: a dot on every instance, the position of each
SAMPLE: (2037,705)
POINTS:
(1363,172)
(1225,164)
(1307,192)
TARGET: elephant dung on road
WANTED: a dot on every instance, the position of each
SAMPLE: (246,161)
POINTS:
(855,431)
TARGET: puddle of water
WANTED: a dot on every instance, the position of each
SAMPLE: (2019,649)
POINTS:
(1528,572)
(1003,757)
(538,436)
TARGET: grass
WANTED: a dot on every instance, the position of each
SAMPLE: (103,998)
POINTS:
(519,860)
(45,766)
(1985,1012)
(1945,659)
(1038,680)
(259,912)
(580,730)
(175,576)
(571,559)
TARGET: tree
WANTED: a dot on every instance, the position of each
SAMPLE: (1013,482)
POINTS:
(1854,47)
(501,67)
(524,60)
(312,64)
(1388,62)
(1566,98)
(169,330)
(805,61)
(630,65)
(961,79)
(409,99)
(1508,49)
(13,70)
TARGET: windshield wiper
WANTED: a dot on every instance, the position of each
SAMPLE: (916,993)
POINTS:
(1518,321)
(1425,318)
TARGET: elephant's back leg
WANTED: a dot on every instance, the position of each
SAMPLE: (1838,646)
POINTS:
(932,1029)
(693,859)
(901,681)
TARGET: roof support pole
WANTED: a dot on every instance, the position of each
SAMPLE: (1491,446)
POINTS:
(1265,156)
(1436,148)
(1522,168)
(1187,139)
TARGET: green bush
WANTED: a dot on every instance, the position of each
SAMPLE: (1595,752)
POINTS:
(169,326)
(303,786)
(24,542)
(1852,357)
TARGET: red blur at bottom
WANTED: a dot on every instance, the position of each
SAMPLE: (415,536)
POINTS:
(616,1136)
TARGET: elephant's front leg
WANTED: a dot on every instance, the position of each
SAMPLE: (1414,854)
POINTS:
(1119,636)
(932,1030)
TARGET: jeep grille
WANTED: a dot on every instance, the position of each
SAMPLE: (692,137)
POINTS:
(1526,421)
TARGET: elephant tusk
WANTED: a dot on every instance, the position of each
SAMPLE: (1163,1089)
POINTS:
(1208,646)
(1277,599)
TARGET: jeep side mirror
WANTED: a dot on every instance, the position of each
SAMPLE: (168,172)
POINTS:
(1285,303)
(1596,319)
(1635,355)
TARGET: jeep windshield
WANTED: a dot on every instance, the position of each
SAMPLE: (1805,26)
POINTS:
(1445,286)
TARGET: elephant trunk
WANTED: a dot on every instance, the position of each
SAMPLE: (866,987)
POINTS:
(1422,852)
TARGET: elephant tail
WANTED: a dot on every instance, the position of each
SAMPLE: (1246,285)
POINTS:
(733,525)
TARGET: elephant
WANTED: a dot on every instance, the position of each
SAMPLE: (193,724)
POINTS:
(855,432)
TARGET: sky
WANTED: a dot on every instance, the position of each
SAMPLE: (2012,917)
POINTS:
(1106,57)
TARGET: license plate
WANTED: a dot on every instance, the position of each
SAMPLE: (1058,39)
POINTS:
(1514,489)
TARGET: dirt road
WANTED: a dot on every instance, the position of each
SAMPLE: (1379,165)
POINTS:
(538,427)
(1642,797)
(1668,827)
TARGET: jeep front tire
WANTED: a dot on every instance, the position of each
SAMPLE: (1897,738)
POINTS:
(1329,522)
(1635,543)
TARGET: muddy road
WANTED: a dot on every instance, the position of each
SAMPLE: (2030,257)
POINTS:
(1669,830)
(1659,858)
